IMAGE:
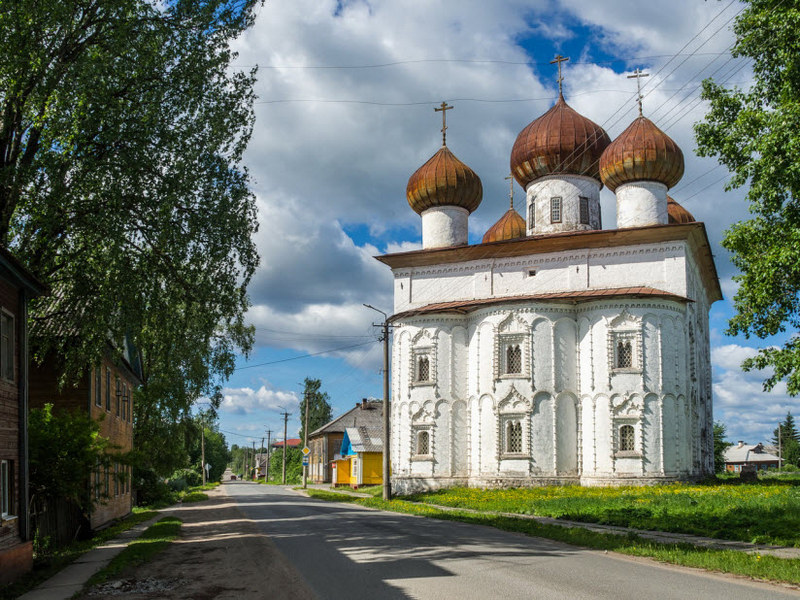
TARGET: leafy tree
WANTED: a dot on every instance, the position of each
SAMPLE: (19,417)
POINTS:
(294,465)
(720,445)
(319,407)
(789,440)
(755,133)
(791,453)
(65,448)
(122,128)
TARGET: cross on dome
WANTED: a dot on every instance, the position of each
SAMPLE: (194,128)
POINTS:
(511,190)
(443,108)
(638,74)
(558,60)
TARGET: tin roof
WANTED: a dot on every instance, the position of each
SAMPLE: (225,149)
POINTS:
(368,413)
(510,227)
(365,439)
(444,181)
(749,454)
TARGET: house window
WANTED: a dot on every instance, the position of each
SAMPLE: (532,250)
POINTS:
(423,369)
(5,488)
(107,488)
(423,443)
(584,210)
(98,392)
(513,437)
(624,358)
(125,393)
(354,463)
(116,479)
(555,209)
(108,391)
(7,346)
(97,481)
(513,359)
(627,439)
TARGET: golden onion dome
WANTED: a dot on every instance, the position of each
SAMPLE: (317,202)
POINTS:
(678,214)
(561,141)
(511,226)
(444,181)
(641,153)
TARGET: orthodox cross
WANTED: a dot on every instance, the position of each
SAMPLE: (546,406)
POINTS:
(511,190)
(444,107)
(558,60)
(638,74)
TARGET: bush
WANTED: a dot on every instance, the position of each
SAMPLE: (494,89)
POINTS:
(152,490)
(183,478)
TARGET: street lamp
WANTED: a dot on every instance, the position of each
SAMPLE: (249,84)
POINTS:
(387,484)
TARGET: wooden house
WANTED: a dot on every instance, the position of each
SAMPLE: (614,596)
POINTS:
(326,441)
(361,461)
(16,287)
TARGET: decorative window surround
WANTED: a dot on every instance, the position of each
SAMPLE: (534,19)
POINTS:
(512,349)
(423,443)
(423,367)
(625,344)
(627,426)
(514,426)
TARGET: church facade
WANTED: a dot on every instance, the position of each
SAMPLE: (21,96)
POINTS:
(555,351)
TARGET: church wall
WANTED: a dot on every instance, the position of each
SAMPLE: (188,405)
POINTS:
(487,437)
(443,438)
(542,427)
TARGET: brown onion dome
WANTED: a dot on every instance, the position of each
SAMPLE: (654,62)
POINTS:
(510,227)
(641,153)
(678,214)
(561,141)
(444,181)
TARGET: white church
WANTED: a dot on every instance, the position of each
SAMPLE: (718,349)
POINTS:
(555,351)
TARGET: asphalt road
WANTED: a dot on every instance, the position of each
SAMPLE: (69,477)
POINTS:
(349,552)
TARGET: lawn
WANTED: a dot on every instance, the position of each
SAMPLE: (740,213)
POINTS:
(767,511)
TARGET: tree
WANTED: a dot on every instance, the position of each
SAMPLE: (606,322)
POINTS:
(789,441)
(755,133)
(216,449)
(319,407)
(122,129)
(720,445)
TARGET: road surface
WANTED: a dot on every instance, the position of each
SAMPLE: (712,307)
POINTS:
(348,552)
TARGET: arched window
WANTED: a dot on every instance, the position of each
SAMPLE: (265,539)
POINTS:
(513,359)
(513,437)
(423,442)
(624,354)
(423,369)
(627,440)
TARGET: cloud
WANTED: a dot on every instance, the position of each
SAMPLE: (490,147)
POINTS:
(245,400)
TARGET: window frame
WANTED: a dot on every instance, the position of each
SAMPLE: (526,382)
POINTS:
(108,390)
(583,210)
(624,337)
(556,208)
(6,492)
(417,355)
(7,346)
(418,431)
(619,425)
(521,421)
(504,342)
(98,387)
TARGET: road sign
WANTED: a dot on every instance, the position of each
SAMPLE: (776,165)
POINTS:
(305,462)
(306,451)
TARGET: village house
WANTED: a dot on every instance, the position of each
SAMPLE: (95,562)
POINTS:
(105,393)
(325,443)
(741,455)
(16,287)
(361,461)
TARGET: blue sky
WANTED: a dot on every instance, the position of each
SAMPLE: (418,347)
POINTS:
(344,116)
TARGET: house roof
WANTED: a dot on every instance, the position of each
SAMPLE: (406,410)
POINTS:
(290,443)
(14,270)
(465,306)
(365,439)
(744,453)
(368,413)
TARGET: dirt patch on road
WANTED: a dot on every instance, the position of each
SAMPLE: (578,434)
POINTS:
(219,555)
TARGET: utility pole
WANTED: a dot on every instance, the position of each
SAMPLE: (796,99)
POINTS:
(387,482)
(203,448)
(780,451)
(269,444)
(305,442)
(285,424)
(262,457)
(255,462)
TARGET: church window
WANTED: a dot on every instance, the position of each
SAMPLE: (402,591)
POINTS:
(624,354)
(555,209)
(423,443)
(513,359)
(423,369)
(532,215)
(513,437)
(627,440)
(584,209)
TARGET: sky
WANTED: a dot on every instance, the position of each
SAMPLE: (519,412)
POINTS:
(344,116)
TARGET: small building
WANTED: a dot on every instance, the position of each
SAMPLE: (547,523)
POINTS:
(16,287)
(361,461)
(736,457)
(290,443)
(261,461)
(105,392)
(326,441)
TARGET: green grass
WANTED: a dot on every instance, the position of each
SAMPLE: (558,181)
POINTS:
(154,539)
(47,563)
(768,568)
(194,497)
(767,511)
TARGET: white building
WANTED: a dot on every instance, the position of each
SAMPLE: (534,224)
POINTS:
(555,351)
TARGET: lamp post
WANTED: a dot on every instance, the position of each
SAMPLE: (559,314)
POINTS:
(387,484)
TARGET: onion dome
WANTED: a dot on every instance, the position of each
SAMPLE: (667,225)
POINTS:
(678,214)
(561,141)
(510,227)
(641,153)
(444,181)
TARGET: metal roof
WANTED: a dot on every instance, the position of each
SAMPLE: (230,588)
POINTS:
(365,439)
(749,454)
(368,413)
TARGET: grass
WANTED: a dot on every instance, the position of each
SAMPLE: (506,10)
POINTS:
(194,497)
(766,512)
(768,568)
(154,539)
(49,562)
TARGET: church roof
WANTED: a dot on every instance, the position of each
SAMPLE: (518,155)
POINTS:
(466,306)
(677,213)
(444,181)
(510,227)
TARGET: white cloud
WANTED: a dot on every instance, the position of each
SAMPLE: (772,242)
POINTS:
(246,400)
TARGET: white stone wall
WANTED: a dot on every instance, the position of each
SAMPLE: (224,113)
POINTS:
(570,397)
(444,226)
(641,203)
(570,188)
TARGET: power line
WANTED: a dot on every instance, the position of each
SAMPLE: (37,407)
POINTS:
(274,362)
